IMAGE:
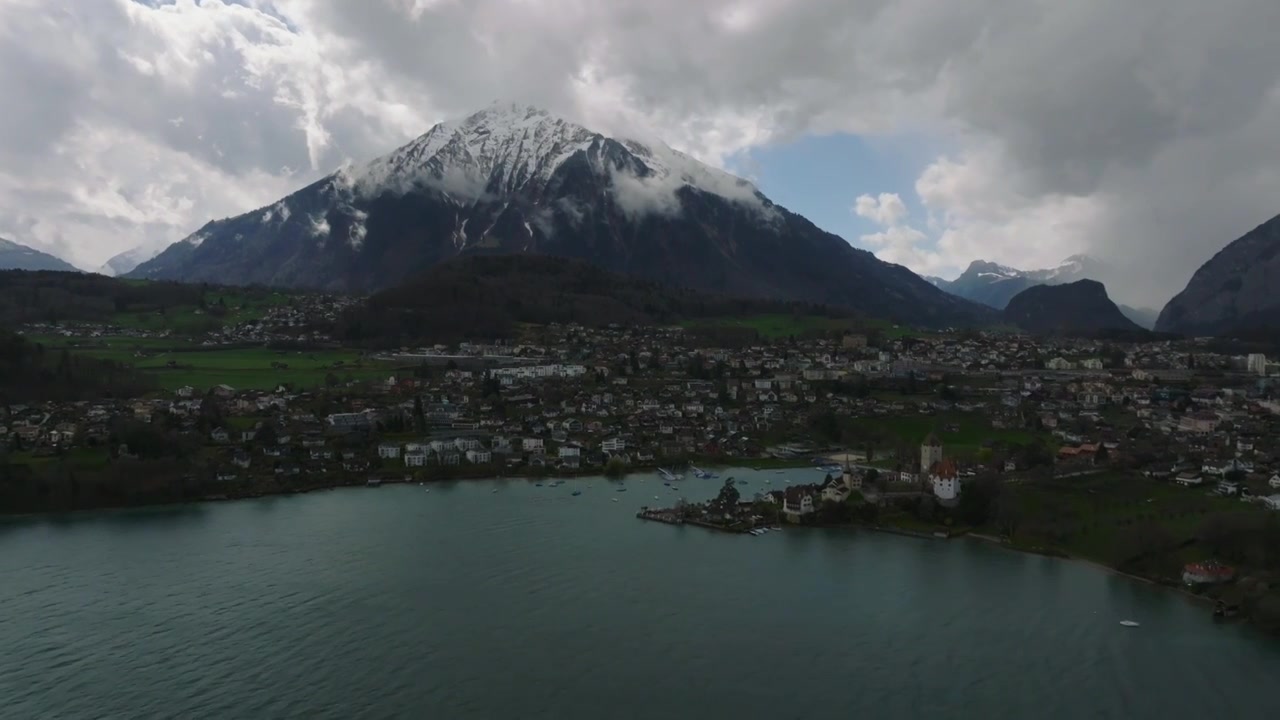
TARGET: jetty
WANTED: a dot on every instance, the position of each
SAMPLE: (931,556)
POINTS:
(670,517)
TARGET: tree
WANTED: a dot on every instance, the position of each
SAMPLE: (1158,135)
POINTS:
(1102,456)
(419,416)
(615,468)
(728,496)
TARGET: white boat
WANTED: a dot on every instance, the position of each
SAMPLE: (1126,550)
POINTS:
(1129,623)
(615,499)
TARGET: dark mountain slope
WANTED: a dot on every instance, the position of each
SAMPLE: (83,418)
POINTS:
(1236,292)
(512,179)
(1078,308)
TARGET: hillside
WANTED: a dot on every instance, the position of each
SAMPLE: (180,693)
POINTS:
(483,297)
(1078,308)
(514,179)
(1234,292)
(14,256)
(60,297)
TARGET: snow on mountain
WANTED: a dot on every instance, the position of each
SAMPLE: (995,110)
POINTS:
(508,148)
(994,285)
(128,260)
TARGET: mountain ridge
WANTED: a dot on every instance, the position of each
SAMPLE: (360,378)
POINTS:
(1233,291)
(16,256)
(514,179)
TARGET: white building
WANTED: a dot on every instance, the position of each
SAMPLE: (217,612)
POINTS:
(479,457)
(1091,364)
(613,445)
(388,451)
(415,459)
(532,444)
(796,504)
(930,453)
(1257,363)
(946,481)
(465,444)
(570,451)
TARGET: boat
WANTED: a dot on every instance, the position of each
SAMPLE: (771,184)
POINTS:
(655,497)
(577,493)
(830,468)
(615,499)
(494,490)
(1129,623)
(537,484)
(622,489)
(703,474)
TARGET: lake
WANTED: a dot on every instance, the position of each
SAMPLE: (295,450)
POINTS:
(500,599)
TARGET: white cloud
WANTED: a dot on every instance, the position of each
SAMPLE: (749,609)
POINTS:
(1142,132)
(887,209)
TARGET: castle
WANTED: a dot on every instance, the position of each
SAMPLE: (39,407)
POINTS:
(943,475)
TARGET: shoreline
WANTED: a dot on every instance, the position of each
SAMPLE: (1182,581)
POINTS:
(988,539)
(399,478)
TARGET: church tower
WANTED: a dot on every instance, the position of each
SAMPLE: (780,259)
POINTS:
(930,453)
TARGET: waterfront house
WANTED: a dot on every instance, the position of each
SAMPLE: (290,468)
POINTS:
(388,451)
(797,503)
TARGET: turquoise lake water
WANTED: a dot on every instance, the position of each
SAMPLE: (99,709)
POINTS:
(500,599)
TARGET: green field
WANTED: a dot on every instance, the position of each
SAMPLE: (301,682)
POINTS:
(252,368)
(223,306)
(1103,517)
(176,363)
(971,431)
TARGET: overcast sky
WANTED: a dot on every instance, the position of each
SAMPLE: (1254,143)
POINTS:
(1022,131)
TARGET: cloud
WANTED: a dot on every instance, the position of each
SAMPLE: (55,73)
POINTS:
(888,209)
(1140,132)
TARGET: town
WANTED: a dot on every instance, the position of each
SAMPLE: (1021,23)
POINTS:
(1031,440)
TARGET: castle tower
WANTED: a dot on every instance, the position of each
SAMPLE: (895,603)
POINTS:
(930,453)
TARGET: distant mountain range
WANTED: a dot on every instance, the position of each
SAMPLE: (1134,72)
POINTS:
(515,179)
(14,256)
(1077,308)
(1236,292)
(126,261)
(995,285)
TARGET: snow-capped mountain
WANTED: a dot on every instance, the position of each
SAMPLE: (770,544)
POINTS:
(994,285)
(15,256)
(126,261)
(516,179)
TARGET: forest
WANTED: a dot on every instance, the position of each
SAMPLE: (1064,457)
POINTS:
(30,372)
(491,296)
